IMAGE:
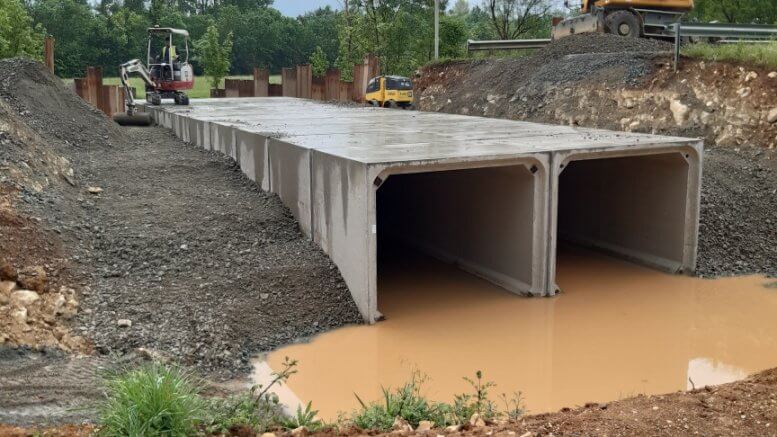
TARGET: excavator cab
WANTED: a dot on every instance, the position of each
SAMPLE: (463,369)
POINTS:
(165,75)
(168,63)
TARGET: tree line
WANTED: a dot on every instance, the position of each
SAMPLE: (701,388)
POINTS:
(400,32)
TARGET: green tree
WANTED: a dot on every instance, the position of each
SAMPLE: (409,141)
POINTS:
(18,36)
(318,62)
(736,11)
(214,55)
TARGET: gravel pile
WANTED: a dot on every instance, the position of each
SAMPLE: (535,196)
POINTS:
(600,43)
(171,249)
(52,109)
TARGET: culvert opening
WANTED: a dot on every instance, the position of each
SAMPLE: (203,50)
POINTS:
(632,207)
(482,220)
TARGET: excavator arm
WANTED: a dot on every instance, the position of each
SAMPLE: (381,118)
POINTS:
(130,117)
(127,68)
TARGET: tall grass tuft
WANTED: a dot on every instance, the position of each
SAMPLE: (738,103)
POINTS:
(759,53)
(151,400)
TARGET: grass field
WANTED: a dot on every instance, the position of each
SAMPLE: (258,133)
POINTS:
(201,84)
(761,54)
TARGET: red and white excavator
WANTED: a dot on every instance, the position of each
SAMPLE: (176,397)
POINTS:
(167,76)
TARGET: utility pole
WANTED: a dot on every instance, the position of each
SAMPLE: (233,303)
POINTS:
(436,29)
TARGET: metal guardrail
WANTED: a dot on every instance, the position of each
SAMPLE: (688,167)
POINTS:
(507,44)
(723,30)
(694,30)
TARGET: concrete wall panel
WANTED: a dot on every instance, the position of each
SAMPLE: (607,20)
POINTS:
(224,139)
(290,179)
(252,150)
(341,226)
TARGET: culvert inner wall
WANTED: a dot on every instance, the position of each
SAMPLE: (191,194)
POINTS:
(637,207)
(323,162)
(480,219)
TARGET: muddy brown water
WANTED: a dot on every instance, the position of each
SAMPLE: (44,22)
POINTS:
(616,330)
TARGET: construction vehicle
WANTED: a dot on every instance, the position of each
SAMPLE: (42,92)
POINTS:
(166,77)
(390,92)
(631,18)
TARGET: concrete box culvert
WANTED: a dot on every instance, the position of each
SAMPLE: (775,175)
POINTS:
(641,205)
(328,164)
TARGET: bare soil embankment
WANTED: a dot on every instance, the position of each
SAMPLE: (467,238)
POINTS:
(608,82)
(129,243)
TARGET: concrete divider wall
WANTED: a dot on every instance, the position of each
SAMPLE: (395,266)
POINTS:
(493,196)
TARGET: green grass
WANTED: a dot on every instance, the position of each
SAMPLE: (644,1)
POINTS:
(760,54)
(151,400)
(201,84)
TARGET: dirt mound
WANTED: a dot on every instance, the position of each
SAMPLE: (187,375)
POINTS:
(52,109)
(600,43)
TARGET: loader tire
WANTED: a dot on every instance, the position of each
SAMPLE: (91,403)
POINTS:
(623,23)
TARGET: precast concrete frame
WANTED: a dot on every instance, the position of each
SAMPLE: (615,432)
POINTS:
(327,164)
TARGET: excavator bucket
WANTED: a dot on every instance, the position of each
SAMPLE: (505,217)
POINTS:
(136,119)
(586,23)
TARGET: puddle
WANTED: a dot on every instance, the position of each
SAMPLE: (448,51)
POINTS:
(617,330)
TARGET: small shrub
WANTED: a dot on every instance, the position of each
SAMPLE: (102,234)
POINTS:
(243,410)
(467,404)
(514,408)
(405,402)
(306,418)
(258,409)
(151,400)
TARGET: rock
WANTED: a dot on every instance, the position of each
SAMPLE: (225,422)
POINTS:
(771,117)
(33,278)
(94,190)
(20,315)
(401,424)
(772,75)
(705,117)
(453,428)
(567,91)
(424,425)
(24,298)
(680,111)
(527,434)
(57,302)
(6,287)
(7,272)
(629,103)
(264,295)
(750,76)
(476,420)
(268,434)
(124,323)
(744,91)
(299,431)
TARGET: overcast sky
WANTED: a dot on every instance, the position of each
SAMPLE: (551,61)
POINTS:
(293,8)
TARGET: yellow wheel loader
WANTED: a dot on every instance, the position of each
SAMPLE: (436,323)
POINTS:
(390,92)
(631,18)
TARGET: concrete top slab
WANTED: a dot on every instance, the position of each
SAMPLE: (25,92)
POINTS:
(376,135)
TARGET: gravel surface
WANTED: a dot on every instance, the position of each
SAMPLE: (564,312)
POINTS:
(738,226)
(206,268)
